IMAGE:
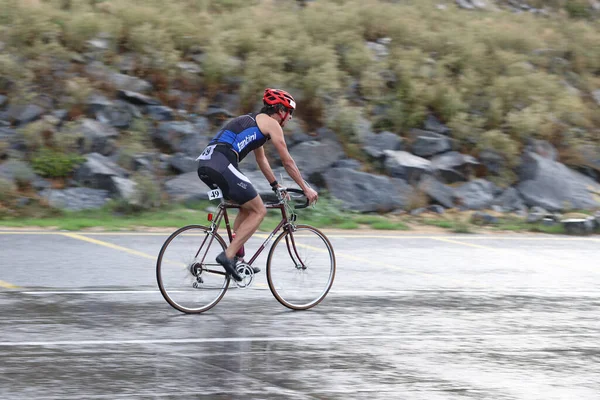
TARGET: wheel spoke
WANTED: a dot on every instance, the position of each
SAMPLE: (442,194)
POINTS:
(301,268)
(188,277)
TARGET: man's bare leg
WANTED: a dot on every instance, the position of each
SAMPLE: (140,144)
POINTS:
(240,218)
(251,213)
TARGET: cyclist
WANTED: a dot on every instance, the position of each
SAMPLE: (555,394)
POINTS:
(218,166)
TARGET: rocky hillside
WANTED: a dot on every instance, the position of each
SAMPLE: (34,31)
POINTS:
(467,104)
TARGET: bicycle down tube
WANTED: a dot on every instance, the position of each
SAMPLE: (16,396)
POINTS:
(222,213)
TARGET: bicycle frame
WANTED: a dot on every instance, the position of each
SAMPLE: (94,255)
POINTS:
(284,223)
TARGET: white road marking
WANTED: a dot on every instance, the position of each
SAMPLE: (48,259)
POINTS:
(295,339)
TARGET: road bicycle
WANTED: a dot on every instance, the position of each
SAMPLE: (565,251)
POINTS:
(300,265)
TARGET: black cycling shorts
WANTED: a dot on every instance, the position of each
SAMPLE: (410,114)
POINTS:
(217,171)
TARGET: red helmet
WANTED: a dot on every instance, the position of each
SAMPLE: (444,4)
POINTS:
(276,96)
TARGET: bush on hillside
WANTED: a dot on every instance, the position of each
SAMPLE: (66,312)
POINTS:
(55,164)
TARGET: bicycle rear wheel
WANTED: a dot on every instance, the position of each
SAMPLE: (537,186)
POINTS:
(301,267)
(188,276)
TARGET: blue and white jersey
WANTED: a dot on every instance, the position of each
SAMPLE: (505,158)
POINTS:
(242,134)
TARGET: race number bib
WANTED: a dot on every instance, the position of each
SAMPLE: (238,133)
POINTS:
(207,153)
(215,194)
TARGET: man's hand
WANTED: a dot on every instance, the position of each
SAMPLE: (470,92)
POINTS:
(311,195)
(280,189)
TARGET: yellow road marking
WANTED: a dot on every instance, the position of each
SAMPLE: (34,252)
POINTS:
(477,246)
(379,264)
(7,285)
(109,245)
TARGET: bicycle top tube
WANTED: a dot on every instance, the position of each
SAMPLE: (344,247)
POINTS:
(227,204)
(271,205)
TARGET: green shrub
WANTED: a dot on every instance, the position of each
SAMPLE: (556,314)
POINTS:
(578,8)
(55,164)
(342,119)
(502,143)
(446,101)
(8,191)
(217,66)
(70,138)
(147,193)
(36,134)
(509,148)
(21,172)
(79,90)
(84,26)
(527,122)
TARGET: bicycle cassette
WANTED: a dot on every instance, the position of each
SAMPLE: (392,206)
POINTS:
(247,273)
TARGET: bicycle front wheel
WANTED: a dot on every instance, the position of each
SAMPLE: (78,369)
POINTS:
(301,267)
(188,276)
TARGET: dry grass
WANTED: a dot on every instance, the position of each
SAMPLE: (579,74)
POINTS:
(477,71)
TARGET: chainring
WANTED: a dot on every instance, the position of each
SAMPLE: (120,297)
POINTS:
(247,274)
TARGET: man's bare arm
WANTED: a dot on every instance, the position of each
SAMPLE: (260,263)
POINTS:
(263,164)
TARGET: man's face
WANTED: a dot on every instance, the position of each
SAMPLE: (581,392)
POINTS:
(286,116)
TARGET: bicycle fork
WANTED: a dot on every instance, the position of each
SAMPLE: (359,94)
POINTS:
(293,250)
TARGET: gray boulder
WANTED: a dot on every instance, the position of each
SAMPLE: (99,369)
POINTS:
(118,114)
(313,158)
(9,136)
(453,166)
(579,226)
(21,173)
(402,164)
(433,124)
(182,163)
(124,188)
(22,115)
(543,148)
(378,50)
(101,72)
(483,218)
(475,195)
(588,161)
(180,136)
(493,161)
(98,137)
(189,67)
(189,187)
(364,192)
(510,200)
(348,163)
(596,96)
(98,172)
(363,128)
(378,143)
(437,191)
(76,199)
(426,144)
(160,113)
(554,186)
(138,98)
(537,214)
(218,115)
(96,103)
(186,187)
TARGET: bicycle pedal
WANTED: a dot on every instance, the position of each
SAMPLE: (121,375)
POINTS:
(247,274)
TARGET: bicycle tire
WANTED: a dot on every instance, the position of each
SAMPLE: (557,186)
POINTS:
(308,243)
(189,267)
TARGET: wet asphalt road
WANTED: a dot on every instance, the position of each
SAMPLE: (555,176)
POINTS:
(409,317)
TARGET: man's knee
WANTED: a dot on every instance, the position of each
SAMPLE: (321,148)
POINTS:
(263,212)
(256,207)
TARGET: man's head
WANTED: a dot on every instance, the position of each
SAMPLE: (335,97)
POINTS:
(278,104)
